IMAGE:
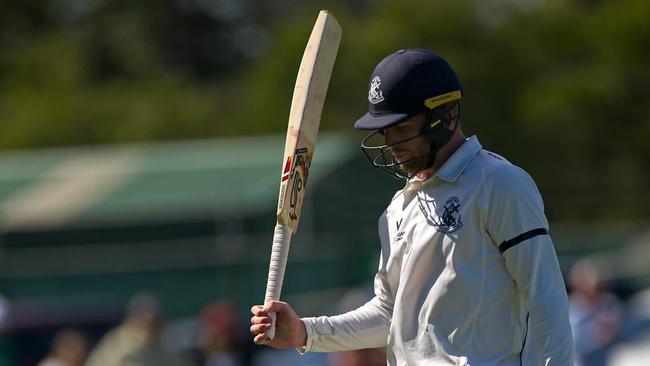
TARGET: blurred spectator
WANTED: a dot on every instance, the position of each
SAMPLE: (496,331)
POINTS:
(635,347)
(135,342)
(595,315)
(69,348)
(220,339)
(363,357)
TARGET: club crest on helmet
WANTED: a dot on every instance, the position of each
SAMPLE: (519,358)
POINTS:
(375,95)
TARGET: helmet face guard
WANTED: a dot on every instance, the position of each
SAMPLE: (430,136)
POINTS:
(380,155)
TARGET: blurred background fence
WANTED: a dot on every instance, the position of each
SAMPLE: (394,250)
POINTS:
(140,140)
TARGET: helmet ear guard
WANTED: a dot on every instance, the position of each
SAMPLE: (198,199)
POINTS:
(434,128)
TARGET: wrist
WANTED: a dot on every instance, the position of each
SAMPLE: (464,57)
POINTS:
(307,342)
(302,335)
(301,341)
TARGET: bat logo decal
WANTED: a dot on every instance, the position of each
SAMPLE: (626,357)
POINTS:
(302,162)
(286,171)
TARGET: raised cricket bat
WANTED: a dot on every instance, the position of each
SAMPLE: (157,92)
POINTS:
(304,118)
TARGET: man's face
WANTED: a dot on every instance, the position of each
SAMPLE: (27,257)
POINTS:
(414,153)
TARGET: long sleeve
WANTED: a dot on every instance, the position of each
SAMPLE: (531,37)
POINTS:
(366,326)
(535,269)
(517,224)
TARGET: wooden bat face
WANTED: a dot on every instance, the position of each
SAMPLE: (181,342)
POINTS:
(304,118)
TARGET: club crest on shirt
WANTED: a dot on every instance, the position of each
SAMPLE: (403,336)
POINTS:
(447,220)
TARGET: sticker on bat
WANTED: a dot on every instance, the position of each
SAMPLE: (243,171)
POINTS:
(286,173)
(287,169)
(302,162)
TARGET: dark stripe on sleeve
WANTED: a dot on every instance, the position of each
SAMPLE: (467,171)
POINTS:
(522,237)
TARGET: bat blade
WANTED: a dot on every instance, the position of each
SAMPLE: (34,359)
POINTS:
(304,120)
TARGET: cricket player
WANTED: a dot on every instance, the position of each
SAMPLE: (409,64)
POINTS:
(468,274)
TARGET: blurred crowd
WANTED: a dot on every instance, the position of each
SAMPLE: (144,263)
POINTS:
(217,337)
(140,340)
(609,329)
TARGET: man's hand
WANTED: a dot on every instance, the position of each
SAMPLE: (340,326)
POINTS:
(289,328)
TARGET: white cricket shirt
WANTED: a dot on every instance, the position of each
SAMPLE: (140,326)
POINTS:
(468,274)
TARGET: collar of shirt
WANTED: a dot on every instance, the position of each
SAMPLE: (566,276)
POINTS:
(459,160)
(452,168)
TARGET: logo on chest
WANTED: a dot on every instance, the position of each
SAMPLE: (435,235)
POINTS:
(400,234)
(446,219)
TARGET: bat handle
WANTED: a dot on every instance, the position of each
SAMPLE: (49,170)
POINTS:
(279,254)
